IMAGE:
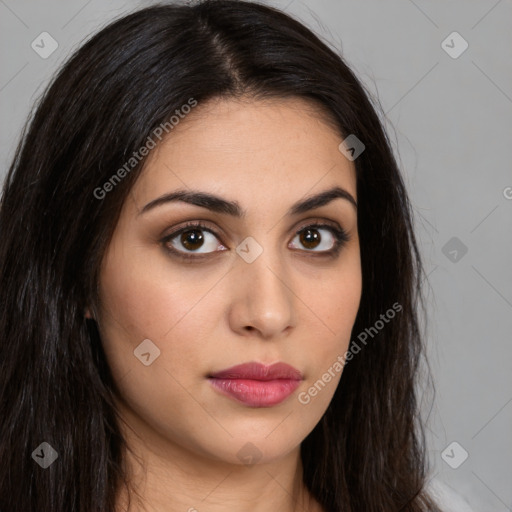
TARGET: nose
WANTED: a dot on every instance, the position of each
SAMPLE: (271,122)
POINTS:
(263,298)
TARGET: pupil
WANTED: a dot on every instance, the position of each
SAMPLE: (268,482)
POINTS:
(310,238)
(192,239)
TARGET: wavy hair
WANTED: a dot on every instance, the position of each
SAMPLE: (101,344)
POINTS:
(367,453)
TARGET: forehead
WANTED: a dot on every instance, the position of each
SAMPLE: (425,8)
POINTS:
(252,150)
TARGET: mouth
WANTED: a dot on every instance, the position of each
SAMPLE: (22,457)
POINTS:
(257,385)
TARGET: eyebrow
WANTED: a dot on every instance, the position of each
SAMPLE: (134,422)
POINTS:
(219,205)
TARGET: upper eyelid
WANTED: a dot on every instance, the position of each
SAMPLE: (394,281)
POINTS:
(200,224)
(195,224)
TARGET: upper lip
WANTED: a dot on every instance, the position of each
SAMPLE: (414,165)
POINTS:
(259,371)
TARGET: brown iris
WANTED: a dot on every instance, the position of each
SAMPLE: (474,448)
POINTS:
(310,238)
(192,239)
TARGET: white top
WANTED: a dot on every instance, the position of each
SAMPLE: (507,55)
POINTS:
(447,498)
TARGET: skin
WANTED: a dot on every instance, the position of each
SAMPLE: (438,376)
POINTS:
(288,305)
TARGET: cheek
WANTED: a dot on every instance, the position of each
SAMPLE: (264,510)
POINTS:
(335,303)
(143,299)
(139,304)
(334,298)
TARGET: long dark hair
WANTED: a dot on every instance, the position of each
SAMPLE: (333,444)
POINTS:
(367,453)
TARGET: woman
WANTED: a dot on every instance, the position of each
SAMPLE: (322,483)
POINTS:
(210,280)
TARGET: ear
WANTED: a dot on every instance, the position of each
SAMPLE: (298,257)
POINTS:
(88,313)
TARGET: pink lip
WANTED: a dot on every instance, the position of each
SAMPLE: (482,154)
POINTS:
(257,385)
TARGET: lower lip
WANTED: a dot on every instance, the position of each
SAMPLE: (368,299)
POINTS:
(256,393)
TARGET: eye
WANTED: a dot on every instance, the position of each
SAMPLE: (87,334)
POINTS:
(196,241)
(192,238)
(313,240)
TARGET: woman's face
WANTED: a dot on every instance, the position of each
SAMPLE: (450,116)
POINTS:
(252,290)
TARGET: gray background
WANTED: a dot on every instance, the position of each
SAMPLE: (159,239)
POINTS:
(449,120)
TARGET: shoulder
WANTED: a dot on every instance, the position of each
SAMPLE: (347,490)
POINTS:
(448,499)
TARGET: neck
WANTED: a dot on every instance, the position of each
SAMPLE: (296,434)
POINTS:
(165,476)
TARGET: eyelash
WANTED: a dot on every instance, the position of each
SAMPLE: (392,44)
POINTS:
(340,238)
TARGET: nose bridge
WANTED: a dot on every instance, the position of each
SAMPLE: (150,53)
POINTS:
(265,290)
